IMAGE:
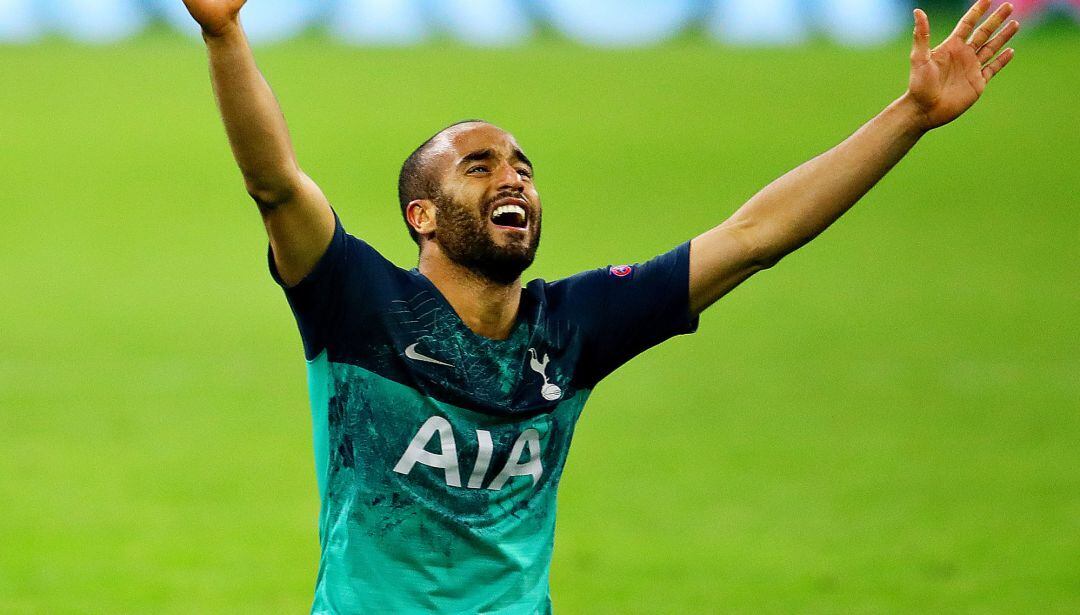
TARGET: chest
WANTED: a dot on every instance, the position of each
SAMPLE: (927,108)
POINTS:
(418,340)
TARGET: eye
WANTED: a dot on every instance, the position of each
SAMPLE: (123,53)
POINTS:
(477,169)
(525,172)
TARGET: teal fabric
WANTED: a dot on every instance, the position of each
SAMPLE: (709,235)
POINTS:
(439,451)
(319,388)
(415,542)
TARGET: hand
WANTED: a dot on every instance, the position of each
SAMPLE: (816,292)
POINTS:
(215,16)
(947,80)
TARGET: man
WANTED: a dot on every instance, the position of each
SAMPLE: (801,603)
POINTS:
(444,398)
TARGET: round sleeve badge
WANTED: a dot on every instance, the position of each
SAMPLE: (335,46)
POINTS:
(620,271)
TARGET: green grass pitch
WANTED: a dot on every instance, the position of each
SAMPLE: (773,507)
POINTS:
(888,421)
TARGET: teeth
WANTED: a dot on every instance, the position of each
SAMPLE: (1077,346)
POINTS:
(509,209)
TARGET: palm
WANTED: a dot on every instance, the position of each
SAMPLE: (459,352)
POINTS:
(948,79)
(214,15)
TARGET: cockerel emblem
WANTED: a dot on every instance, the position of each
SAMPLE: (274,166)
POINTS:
(549,391)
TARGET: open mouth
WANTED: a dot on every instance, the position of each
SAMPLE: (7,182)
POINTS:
(511,214)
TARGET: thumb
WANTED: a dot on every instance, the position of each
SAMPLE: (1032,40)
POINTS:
(920,49)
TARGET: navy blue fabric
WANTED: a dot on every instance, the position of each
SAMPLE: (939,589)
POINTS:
(622,316)
(361,309)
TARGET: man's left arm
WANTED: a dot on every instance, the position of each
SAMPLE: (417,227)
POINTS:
(792,210)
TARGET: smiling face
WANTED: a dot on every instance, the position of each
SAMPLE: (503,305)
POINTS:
(486,210)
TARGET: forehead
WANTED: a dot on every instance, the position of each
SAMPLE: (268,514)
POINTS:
(460,141)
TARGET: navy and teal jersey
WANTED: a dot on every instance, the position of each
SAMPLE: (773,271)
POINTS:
(439,451)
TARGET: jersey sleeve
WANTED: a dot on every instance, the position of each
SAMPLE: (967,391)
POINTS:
(338,285)
(624,310)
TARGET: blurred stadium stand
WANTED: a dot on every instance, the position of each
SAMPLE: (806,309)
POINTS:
(501,22)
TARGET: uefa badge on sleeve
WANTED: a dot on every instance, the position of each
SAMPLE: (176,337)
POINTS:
(621,271)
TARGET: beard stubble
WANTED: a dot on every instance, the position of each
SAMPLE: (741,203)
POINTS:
(464,237)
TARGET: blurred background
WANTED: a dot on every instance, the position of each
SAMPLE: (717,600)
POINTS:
(499,23)
(886,422)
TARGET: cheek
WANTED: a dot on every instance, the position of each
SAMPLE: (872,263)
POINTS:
(461,212)
(458,197)
(470,198)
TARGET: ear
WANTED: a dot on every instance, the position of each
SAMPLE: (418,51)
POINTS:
(421,216)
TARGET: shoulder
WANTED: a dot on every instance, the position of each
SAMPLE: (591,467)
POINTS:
(595,283)
(368,270)
(353,273)
(577,295)
(598,297)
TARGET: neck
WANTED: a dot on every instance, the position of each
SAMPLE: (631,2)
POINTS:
(488,308)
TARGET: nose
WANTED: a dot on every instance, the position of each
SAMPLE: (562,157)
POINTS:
(509,178)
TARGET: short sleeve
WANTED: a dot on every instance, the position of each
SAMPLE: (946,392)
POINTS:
(347,270)
(624,310)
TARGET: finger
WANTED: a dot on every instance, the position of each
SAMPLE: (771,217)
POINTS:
(995,67)
(991,48)
(970,19)
(920,50)
(990,26)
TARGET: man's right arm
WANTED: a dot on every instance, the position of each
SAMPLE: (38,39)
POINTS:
(296,214)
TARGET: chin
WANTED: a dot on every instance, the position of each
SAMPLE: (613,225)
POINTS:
(515,246)
(508,263)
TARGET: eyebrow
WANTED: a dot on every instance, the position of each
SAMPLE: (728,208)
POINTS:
(522,157)
(487,154)
(478,155)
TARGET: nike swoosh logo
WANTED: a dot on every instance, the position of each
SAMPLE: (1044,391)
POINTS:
(411,353)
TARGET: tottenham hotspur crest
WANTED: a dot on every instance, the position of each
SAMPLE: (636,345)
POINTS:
(549,391)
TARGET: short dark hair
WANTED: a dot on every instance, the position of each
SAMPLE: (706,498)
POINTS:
(416,181)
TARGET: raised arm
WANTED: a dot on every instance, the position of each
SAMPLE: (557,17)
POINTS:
(296,214)
(789,212)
